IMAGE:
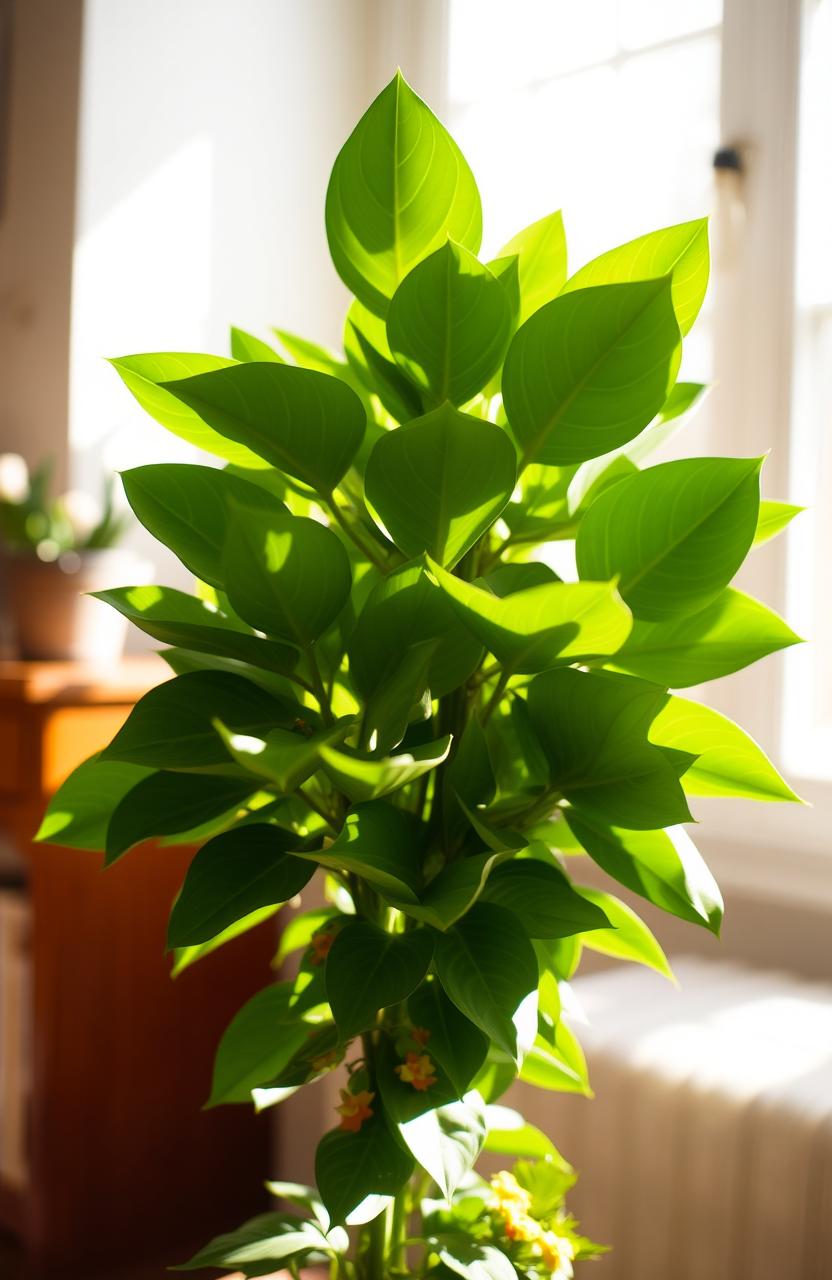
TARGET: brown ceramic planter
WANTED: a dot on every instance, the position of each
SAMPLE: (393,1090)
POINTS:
(51,615)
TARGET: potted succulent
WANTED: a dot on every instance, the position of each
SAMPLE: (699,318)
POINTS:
(52,552)
(382,686)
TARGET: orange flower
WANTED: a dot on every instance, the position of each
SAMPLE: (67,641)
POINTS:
(517,1224)
(354,1109)
(556,1254)
(320,945)
(421,1035)
(417,1069)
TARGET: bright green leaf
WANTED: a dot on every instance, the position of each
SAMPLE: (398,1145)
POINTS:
(262,1246)
(773,519)
(399,187)
(383,845)
(440,481)
(248,348)
(628,938)
(286,757)
(80,810)
(541,262)
(589,370)
(184,957)
(449,325)
(364,777)
(680,251)
(676,533)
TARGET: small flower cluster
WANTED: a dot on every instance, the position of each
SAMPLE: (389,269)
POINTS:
(417,1069)
(354,1109)
(512,1203)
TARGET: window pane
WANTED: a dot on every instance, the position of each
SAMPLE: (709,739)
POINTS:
(644,22)
(623,147)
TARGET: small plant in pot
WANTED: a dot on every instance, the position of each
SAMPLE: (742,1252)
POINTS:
(383,688)
(52,552)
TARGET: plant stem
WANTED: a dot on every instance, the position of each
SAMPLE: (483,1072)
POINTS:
(349,530)
(496,697)
(318,688)
(316,807)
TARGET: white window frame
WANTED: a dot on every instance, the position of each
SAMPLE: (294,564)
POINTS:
(768,850)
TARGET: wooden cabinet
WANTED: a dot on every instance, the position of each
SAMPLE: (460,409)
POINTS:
(123,1163)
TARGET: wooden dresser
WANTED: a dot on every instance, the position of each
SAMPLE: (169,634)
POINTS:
(123,1165)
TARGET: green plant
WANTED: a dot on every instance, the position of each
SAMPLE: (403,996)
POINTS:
(31,521)
(382,680)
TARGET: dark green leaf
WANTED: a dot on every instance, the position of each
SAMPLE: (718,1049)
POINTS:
(454,890)
(543,899)
(170,804)
(406,608)
(349,1167)
(455,1042)
(381,844)
(285,757)
(257,1043)
(594,732)
(440,481)
(262,1246)
(488,968)
(231,876)
(184,957)
(189,509)
(171,726)
(179,619)
(368,969)
(270,562)
(306,423)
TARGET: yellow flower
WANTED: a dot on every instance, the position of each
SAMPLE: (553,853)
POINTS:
(417,1069)
(556,1254)
(354,1109)
(506,1190)
(517,1224)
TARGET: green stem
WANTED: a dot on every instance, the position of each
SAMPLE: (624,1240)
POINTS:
(496,697)
(349,530)
(318,688)
(316,807)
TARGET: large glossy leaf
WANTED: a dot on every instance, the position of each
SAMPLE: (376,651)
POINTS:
(629,937)
(285,757)
(472,1259)
(542,897)
(184,957)
(454,1041)
(189,509)
(449,324)
(231,876)
(270,562)
(264,1245)
(729,762)
(510,1135)
(170,804)
(349,1167)
(541,262)
(362,776)
(731,633)
(594,732)
(530,629)
(488,968)
(257,1043)
(171,727)
(447,1140)
(368,969)
(406,608)
(399,187)
(308,424)
(382,844)
(80,810)
(676,533)
(680,252)
(145,375)
(439,482)
(589,370)
(665,867)
(179,619)
(373,365)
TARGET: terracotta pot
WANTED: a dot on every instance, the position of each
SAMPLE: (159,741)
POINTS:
(51,615)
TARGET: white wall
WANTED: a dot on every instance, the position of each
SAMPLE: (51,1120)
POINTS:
(207,134)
